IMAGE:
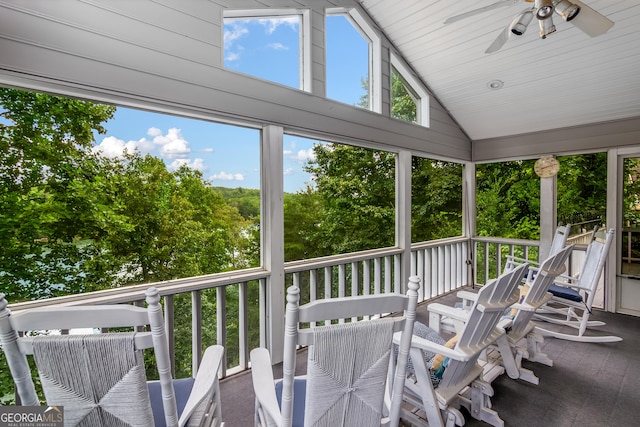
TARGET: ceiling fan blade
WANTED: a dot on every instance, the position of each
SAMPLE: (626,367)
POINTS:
(590,21)
(495,5)
(500,40)
(517,26)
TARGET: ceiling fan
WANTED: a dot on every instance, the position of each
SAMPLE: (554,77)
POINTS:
(576,12)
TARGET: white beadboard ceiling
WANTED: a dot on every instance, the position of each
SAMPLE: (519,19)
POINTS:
(568,79)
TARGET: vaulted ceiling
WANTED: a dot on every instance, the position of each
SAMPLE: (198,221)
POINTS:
(579,91)
(567,79)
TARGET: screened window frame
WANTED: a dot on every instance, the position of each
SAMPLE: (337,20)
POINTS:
(304,42)
(414,87)
(366,30)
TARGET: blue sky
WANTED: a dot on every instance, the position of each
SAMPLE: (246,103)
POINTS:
(227,155)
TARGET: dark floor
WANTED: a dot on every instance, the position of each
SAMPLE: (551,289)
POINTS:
(589,385)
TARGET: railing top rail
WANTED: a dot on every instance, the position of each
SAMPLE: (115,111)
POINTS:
(132,293)
(439,242)
(506,241)
(333,260)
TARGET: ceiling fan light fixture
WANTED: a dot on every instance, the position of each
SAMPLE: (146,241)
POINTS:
(519,26)
(546,28)
(544,9)
(567,10)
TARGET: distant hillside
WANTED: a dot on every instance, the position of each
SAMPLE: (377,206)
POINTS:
(246,200)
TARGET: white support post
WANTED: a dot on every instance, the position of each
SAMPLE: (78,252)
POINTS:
(272,236)
(403,215)
(469,216)
(548,214)
(614,220)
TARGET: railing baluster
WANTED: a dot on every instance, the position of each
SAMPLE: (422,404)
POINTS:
(377,285)
(447,268)
(342,283)
(397,277)
(355,279)
(342,280)
(441,284)
(387,275)
(221,322)
(169,325)
(243,329)
(196,330)
(433,266)
(328,279)
(262,298)
(421,272)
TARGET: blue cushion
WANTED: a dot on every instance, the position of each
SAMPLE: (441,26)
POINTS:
(182,389)
(299,396)
(566,293)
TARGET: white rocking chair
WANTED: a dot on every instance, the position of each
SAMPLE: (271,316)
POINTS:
(521,341)
(559,242)
(349,369)
(99,378)
(572,301)
(461,384)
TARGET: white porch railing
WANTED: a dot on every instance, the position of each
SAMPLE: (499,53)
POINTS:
(490,254)
(236,309)
(442,265)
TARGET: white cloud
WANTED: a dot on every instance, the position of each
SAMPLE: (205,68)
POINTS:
(224,176)
(196,164)
(272,24)
(230,57)
(154,132)
(303,155)
(233,32)
(172,145)
(277,46)
(113,147)
(289,171)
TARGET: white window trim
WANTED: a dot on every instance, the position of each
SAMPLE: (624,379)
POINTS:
(423,101)
(305,78)
(375,53)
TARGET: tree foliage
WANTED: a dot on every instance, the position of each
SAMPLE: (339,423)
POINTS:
(356,187)
(50,192)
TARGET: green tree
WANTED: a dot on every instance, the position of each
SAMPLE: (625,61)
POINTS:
(508,200)
(582,187)
(356,187)
(48,178)
(403,104)
(436,199)
(302,213)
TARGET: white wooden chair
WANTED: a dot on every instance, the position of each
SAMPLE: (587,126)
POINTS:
(348,370)
(461,384)
(572,301)
(522,341)
(99,378)
(559,241)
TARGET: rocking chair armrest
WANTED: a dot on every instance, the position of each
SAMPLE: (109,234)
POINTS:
(513,258)
(424,344)
(204,382)
(264,383)
(466,296)
(565,280)
(447,317)
(533,307)
(448,311)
